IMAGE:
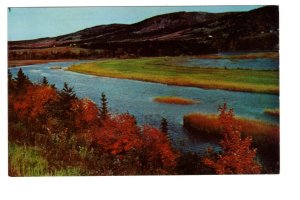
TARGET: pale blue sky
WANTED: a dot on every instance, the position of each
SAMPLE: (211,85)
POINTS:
(32,23)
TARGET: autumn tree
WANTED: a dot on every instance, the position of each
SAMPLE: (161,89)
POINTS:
(147,149)
(237,157)
(86,113)
(103,109)
(160,156)
(32,104)
(164,125)
(119,134)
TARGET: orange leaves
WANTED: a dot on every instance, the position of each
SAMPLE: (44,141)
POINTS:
(85,112)
(158,146)
(32,103)
(237,156)
(69,124)
(119,134)
(90,111)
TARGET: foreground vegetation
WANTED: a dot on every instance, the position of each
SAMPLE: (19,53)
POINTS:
(165,70)
(265,136)
(53,132)
(175,100)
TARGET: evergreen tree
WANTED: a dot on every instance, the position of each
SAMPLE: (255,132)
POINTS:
(63,109)
(63,106)
(22,80)
(67,94)
(11,82)
(45,81)
(9,76)
(53,86)
(103,109)
(164,125)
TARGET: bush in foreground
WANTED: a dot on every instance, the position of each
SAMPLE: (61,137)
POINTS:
(237,157)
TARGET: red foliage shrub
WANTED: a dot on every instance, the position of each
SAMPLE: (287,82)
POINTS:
(121,137)
(237,156)
(86,112)
(73,132)
(158,147)
(31,104)
(119,134)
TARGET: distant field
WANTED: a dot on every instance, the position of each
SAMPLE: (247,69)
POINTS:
(165,70)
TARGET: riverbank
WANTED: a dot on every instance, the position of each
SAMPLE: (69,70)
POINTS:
(237,55)
(16,63)
(164,70)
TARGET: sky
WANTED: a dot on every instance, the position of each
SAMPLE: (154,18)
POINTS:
(32,23)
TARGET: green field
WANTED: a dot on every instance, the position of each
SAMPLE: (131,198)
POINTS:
(167,70)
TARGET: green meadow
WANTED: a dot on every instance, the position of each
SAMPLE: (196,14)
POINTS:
(167,70)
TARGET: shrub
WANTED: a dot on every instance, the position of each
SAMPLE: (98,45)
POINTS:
(238,157)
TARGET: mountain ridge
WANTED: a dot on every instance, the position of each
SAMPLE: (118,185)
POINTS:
(172,34)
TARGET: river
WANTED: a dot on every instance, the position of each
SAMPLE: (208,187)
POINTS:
(136,97)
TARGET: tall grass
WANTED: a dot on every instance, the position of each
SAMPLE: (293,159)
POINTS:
(28,161)
(174,100)
(209,126)
(265,136)
(272,112)
(67,171)
(206,126)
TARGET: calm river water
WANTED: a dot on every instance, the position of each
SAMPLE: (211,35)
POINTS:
(136,98)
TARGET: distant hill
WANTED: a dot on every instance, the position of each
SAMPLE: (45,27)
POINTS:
(180,33)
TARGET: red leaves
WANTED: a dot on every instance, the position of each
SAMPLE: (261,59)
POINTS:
(119,134)
(70,123)
(86,112)
(32,103)
(90,111)
(158,147)
(237,157)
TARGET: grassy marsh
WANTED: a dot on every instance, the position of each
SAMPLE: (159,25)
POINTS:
(164,70)
(207,125)
(174,100)
(272,112)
